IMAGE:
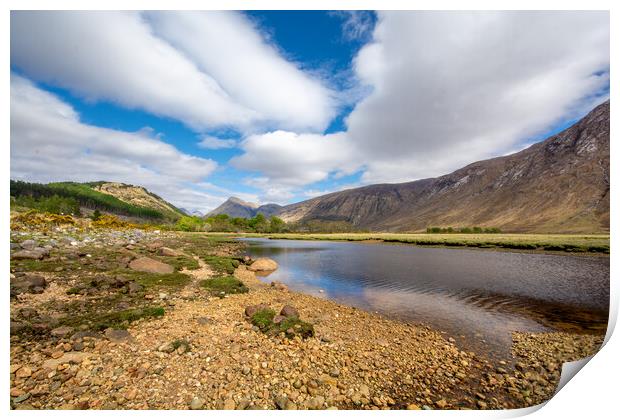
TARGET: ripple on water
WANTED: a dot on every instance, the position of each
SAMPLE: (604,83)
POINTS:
(478,296)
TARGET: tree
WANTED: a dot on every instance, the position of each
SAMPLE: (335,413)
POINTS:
(276,224)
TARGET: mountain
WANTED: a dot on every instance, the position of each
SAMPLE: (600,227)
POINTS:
(120,199)
(558,185)
(235,207)
(138,196)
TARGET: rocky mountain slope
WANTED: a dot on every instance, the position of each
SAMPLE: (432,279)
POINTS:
(136,195)
(235,207)
(559,185)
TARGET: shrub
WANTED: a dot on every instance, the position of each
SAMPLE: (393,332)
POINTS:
(224,285)
(190,224)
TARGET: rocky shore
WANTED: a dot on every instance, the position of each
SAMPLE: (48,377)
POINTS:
(131,319)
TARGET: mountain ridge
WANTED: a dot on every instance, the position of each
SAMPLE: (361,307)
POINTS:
(558,185)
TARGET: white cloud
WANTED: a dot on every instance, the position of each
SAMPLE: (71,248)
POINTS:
(210,142)
(447,89)
(49,143)
(229,48)
(288,160)
(209,69)
(356,25)
(450,88)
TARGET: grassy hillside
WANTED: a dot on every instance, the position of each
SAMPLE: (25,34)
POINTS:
(84,195)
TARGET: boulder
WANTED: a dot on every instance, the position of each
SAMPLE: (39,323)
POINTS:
(61,331)
(149,265)
(34,254)
(153,246)
(289,311)
(28,244)
(169,252)
(251,310)
(118,336)
(264,264)
(29,283)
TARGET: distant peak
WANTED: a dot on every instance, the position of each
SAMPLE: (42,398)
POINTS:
(237,200)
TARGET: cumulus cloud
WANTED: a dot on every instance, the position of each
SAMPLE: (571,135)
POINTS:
(50,143)
(210,142)
(453,87)
(447,89)
(288,160)
(206,69)
(229,48)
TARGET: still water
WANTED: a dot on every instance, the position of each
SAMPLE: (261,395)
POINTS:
(476,296)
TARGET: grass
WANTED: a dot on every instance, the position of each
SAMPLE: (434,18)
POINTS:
(222,265)
(180,262)
(224,285)
(118,320)
(171,280)
(291,326)
(532,242)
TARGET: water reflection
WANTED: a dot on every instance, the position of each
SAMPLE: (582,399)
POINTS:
(481,296)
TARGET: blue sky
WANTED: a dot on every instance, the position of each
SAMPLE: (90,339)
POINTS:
(279,106)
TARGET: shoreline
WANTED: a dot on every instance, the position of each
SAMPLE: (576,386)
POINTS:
(356,359)
(582,247)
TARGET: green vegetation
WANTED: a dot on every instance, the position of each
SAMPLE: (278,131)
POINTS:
(223,265)
(180,262)
(224,285)
(475,229)
(82,194)
(532,242)
(52,204)
(149,280)
(290,326)
(118,320)
(191,224)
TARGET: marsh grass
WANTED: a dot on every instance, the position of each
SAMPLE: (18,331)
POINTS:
(528,242)
(224,285)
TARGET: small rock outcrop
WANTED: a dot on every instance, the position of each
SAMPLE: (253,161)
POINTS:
(149,265)
(264,264)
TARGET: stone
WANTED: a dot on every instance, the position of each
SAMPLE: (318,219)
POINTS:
(278,319)
(364,390)
(196,403)
(134,287)
(23,372)
(289,311)
(279,286)
(28,244)
(441,403)
(413,407)
(203,320)
(61,331)
(34,254)
(281,402)
(149,265)
(118,336)
(251,310)
(67,358)
(264,264)
(229,404)
(169,252)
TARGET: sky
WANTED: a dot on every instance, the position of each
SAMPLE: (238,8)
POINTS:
(282,106)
